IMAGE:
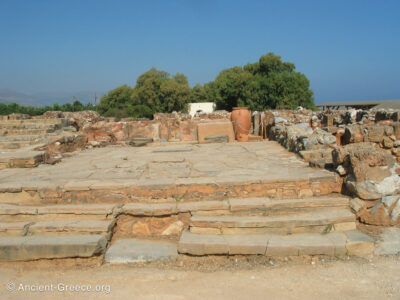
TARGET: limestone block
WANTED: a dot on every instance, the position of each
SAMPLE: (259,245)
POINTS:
(48,247)
(213,128)
(359,244)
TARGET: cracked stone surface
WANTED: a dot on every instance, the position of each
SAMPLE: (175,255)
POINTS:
(205,163)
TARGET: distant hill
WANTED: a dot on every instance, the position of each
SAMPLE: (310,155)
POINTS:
(8,96)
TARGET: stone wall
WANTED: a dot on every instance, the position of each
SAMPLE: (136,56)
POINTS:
(363,147)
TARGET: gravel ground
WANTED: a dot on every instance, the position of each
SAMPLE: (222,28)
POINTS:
(206,278)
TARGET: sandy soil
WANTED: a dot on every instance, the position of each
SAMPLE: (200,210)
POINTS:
(213,278)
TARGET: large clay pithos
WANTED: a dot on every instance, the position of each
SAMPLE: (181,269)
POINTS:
(241,121)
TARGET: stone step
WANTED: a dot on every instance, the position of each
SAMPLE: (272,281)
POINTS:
(21,138)
(57,227)
(124,251)
(13,132)
(64,122)
(50,247)
(265,206)
(71,227)
(52,127)
(16,145)
(14,213)
(338,219)
(222,207)
(330,244)
(21,159)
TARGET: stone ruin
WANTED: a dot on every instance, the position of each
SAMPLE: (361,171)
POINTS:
(361,146)
(221,198)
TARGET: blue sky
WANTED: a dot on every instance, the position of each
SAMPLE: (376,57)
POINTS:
(350,50)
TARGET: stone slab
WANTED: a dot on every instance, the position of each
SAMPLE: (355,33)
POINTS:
(202,206)
(300,244)
(149,209)
(172,149)
(389,242)
(202,244)
(207,171)
(212,128)
(81,209)
(247,244)
(359,244)
(46,247)
(314,218)
(71,226)
(13,228)
(8,209)
(134,250)
(331,244)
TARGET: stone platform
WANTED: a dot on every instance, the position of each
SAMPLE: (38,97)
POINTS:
(120,174)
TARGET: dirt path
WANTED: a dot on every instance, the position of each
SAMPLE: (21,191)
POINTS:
(378,278)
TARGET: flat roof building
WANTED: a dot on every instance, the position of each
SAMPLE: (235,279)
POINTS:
(376,104)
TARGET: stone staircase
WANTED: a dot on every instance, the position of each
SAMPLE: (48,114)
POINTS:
(16,134)
(58,231)
(246,226)
(19,140)
(313,226)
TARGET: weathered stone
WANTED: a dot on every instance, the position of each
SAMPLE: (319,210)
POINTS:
(174,229)
(202,244)
(14,228)
(386,212)
(335,215)
(345,226)
(389,242)
(247,244)
(357,205)
(71,226)
(133,251)
(300,244)
(387,142)
(359,244)
(352,134)
(215,128)
(217,138)
(201,206)
(341,171)
(47,247)
(139,140)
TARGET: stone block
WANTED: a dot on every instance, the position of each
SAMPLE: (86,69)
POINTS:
(213,128)
(359,244)
(300,244)
(202,244)
(389,242)
(134,250)
(202,206)
(247,244)
(48,247)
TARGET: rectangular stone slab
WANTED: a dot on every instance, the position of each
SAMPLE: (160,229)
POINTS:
(45,247)
(335,215)
(134,250)
(212,128)
(71,226)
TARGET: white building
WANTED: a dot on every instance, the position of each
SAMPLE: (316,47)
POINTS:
(202,107)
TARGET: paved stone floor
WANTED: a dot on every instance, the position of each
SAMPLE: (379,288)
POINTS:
(168,164)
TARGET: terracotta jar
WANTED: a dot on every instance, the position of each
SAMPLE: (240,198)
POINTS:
(241,121)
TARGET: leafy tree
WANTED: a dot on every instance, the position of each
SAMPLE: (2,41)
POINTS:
(116,99)
(160,93)
(198,94)
(266,84)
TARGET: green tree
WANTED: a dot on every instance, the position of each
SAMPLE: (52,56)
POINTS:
(116,99)
(161,93)
(198,94)
(266,84)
